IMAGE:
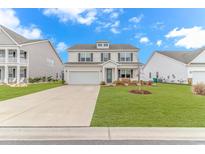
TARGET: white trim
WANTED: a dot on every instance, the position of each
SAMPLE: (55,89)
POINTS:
(110,61)
(103,50)
(196,57)
(30,43)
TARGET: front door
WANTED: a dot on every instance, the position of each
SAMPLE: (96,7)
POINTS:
(109,75)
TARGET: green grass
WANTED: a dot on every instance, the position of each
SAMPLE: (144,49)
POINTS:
(7,92)
(169,105)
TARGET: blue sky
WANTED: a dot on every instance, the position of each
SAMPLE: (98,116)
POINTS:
(147,29)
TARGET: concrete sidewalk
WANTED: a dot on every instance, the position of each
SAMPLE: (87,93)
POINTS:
(100,133)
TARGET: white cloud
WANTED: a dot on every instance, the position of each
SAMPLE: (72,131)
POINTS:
(109,10)
(114,15)
(114,30)
(115,27)
(144,40)
(136,19)
(9,19)
(158,25)
(138,35)
(159,43)
(61,47)
(188,37)
(82,16)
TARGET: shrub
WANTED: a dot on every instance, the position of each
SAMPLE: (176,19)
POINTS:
(102,83)
(133,83)
(43,79)
(63,81)
(34,80)
(118,83)
(125,80)
(149,83)
(49,79)
(199,89)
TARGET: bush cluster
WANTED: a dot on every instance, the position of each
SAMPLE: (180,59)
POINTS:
(41,79)
(199,89)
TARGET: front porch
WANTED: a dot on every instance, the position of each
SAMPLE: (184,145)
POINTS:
(13,75)
(113,71)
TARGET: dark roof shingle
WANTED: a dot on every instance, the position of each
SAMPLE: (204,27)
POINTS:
(93,47)
(17,37)
(182,56)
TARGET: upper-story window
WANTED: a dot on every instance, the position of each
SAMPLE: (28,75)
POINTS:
(2,53)
(105,57)
(125,57)
(23,54)
(106,45)
(102,44)
(12,53)
(85,57)
(99,44)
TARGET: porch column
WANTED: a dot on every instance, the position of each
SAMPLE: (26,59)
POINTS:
(18,74)
(116,73)
(18,55)
(6,74)
(6,55)
(103,74)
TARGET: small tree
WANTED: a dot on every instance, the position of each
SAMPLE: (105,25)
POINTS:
(139,74)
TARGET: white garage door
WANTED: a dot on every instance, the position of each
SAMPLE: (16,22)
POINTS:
(83,77)
(198,77)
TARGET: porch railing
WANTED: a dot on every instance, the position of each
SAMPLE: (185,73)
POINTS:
(23,60)
(12,60)
(12,80)
(2,59)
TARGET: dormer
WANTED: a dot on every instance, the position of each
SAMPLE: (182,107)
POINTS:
(102,44)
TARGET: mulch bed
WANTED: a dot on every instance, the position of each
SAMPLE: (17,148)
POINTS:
(144,92)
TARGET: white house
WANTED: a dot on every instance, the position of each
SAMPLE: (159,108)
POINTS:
(93,63)
(21,58)
(176,66)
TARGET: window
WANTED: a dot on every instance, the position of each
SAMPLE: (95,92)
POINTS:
(12,72)
(105,44)
(157,74)
(23,54)
(12,53)
(105,57)
(23,72)
(2,53)
(85,57)
(99,44)
(125,73)
(125,57)
(150,75)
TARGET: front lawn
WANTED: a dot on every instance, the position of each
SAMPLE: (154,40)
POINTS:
(7,92)
(168,105)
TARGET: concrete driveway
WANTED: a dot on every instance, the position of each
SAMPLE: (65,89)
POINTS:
(62,106)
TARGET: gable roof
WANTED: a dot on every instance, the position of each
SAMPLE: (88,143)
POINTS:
(93,47)
(182,56)
(17,37)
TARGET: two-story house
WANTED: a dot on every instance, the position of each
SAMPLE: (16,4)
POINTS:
(21,58)
(93,63)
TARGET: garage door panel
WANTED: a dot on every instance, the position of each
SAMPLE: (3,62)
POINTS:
(198,77)
(84,77)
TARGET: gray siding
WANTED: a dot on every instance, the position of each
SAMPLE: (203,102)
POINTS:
(43,60)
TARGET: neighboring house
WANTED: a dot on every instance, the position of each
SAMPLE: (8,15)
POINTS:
(176,66)
(22,58)
(93,63)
